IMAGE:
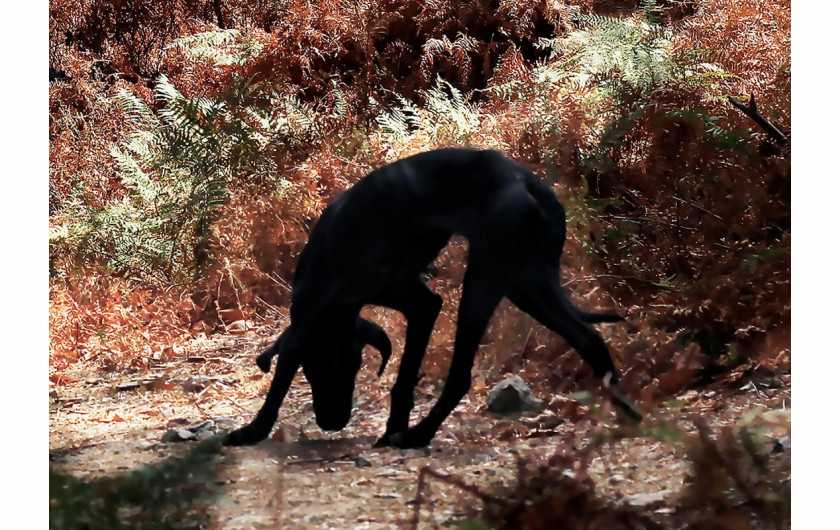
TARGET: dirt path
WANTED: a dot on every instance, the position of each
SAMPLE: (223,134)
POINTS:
(304,478)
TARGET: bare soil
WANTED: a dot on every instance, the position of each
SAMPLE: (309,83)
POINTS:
(305,478)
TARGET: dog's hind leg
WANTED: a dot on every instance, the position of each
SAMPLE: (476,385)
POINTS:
(542,297)
(539,293)
(421,307)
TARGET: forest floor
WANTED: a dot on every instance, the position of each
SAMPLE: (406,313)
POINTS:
(305,478)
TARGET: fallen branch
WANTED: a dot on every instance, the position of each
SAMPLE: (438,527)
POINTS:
(453,481)
(751,111)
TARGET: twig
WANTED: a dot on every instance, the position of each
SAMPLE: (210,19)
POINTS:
(525,344)
(236,405)
(453,481)
(203,412)
(276,278)
(779,228)
(276,309)
(690,203)
(619,277)
(344,459)
(644,220)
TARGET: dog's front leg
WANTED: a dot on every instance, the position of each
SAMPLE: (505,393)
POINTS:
(421,307)
(478,301)
(259,429)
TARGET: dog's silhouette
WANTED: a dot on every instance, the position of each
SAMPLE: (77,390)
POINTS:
(371,246)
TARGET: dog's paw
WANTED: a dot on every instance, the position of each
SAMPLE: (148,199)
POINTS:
(407,439)
(383,441)
(247,435)
(625,406)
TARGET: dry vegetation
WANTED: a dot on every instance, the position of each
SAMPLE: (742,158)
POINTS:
(193,144)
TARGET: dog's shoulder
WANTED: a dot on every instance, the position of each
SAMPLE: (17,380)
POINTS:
(443,160)
(449,170)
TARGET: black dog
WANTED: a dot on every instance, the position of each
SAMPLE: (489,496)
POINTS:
(371,246)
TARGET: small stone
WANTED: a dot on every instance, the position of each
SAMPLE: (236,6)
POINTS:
(200,382)
(206,425)
(204,435)
(240,327)
(178,435)
(182,422)
(226,423)
(512,396)
(203,430)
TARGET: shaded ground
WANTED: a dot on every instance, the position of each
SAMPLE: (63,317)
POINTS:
(305,478)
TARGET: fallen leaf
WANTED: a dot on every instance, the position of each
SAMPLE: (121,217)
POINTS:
(62,379)
(229,316)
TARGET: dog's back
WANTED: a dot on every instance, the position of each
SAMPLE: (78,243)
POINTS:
(395,221)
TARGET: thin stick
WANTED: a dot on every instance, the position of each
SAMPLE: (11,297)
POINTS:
(690,203)
(751,111)
(453,481)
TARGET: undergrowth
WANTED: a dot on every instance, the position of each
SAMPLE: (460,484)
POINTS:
(737,478)
(172,494)
(193,145)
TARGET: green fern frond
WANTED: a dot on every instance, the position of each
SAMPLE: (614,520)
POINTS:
(506,91)
(299,117)
(394,123)
(449,107)
(208,39)
(177,165)
(133,176)
(341,106)
(217,47)
(165,90)
(445,114)
(610,51)
(135,109)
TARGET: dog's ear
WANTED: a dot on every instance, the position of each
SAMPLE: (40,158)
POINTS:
(369,333)
(264,359)
(282,342)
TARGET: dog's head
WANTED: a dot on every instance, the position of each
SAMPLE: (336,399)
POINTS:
(331,362)
(331,368)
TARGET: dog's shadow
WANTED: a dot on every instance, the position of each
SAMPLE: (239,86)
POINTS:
(317,451)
